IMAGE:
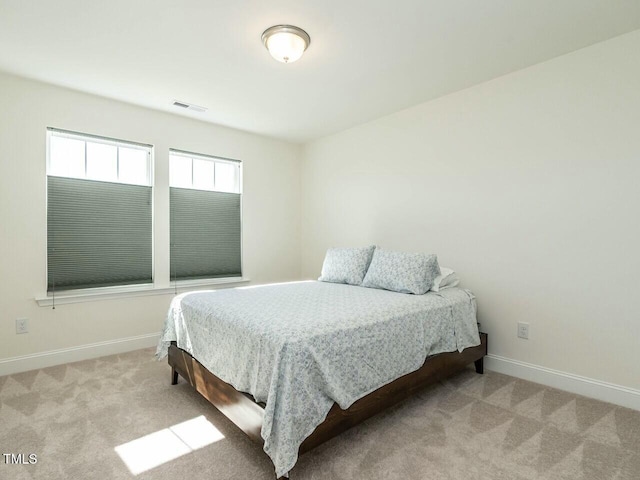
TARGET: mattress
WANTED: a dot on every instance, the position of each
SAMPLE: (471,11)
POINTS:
(299,347)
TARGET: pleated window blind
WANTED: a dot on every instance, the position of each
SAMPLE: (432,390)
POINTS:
(205,217)
(99,212)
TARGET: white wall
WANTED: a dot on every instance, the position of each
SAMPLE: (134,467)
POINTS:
(271,212)
(528,185)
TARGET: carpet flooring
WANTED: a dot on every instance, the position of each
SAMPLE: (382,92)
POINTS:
(118,417)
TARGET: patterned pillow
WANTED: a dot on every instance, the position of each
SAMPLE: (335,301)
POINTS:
(402,272)
(346,265)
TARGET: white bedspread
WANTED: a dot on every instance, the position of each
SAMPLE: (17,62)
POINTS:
(299,347)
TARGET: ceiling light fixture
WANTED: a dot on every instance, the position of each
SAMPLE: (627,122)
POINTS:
(286,43)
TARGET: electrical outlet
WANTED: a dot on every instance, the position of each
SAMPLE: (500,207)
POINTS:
(22,325)
(523,330)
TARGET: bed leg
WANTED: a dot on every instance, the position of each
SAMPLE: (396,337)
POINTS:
(174,376)
(479,366)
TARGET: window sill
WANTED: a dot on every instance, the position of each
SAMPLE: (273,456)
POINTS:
(108,293)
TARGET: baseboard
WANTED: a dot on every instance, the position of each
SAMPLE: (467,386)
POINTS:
(50,358)
(588,387)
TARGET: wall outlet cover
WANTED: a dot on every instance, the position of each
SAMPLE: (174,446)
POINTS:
(523,330)
(22,325)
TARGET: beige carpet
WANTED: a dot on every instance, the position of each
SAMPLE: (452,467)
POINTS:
(77,417)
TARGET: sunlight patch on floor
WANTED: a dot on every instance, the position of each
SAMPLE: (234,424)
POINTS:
(160,447)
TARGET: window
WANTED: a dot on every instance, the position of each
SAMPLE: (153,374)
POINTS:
(205,203)
(99,212)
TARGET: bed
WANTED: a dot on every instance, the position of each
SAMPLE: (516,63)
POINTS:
(295,364)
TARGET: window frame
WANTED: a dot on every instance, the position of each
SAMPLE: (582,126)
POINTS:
(209,158)
(51,297)
(177,283)
(114,142)
(162,286)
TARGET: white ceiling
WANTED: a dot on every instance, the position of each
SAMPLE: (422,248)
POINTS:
(367,58)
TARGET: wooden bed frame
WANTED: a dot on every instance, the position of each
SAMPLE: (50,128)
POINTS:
(247,415)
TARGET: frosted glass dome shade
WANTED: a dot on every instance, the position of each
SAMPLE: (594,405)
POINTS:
(286,43)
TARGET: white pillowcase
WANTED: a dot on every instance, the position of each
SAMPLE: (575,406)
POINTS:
(447,279)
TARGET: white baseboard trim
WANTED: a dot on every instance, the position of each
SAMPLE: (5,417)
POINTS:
(588,387)
(51,358)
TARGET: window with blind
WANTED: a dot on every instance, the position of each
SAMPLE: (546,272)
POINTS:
(205,216)
(99,212)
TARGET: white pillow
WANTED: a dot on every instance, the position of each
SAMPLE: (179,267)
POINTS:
(401,272)
(346,265)
(447,279)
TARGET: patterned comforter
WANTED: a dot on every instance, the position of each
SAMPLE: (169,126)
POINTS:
(299,347)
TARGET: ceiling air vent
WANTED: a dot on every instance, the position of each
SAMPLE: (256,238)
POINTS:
(189,106)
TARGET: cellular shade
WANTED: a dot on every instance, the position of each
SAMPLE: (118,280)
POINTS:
(99,234)
(205,234)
